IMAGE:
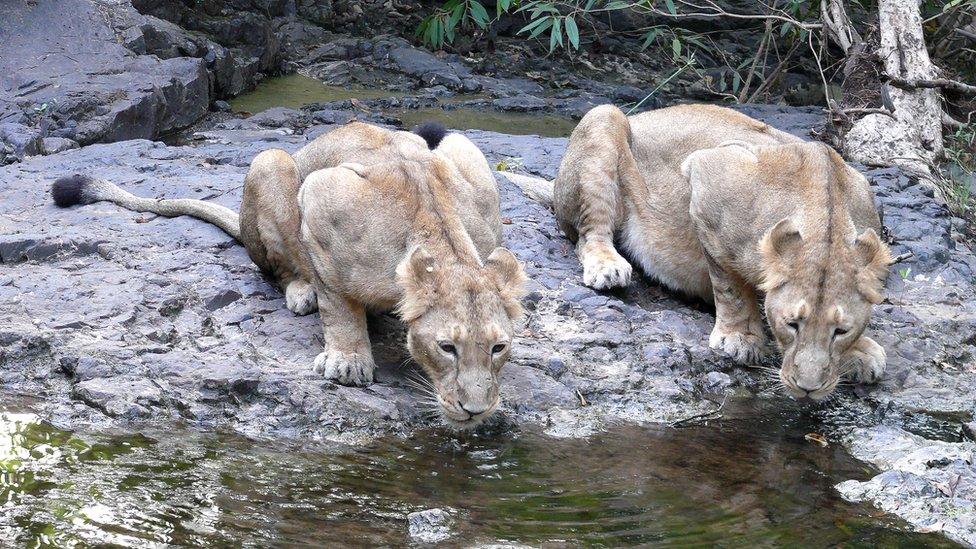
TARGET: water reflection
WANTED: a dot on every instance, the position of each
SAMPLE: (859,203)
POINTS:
(749,480)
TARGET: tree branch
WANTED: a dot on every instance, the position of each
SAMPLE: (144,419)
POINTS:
(937,83)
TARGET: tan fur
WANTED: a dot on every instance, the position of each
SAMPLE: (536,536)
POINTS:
(381,223)
(718,205)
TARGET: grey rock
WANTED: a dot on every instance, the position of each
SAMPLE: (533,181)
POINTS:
(137,76)
(430,526)
(280,117)
(54,145)
(520,103)
(930,484)
(716,382)
(23,141)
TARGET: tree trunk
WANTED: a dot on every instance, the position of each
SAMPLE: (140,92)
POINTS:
(914,138)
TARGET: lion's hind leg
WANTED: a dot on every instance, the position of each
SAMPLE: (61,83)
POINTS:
(588,195)
(300,297)
(270,224)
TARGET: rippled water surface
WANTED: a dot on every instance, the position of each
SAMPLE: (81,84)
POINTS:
(748,480)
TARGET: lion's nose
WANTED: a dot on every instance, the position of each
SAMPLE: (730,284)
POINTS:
(474,409)
(809,384)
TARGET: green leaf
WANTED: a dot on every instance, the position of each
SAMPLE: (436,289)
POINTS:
(785,28)
(736,82)
(535,23)
(649,38)
(546,23)
(676,47)
(501,6)
(618,5)
(437,32)
(456,14)
(589,5)
(696,41)
(572,32)
(671,8)
(478,14)
(556,35)
(544,8)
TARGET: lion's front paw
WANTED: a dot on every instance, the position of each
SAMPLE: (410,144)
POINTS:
(300,297)
(744,348)
(606,269)
(866,361)
(345,368)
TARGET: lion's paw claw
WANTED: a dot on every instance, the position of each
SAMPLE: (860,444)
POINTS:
(345,368)
(604,271)
(743,348)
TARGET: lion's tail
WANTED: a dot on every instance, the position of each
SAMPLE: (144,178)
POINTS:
(536,188)
(82,189)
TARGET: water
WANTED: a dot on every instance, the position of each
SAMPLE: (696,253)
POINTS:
(295,90)
(749,480)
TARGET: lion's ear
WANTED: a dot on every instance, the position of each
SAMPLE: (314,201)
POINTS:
(874,257)
(509,278)
(778,249)
(416,274)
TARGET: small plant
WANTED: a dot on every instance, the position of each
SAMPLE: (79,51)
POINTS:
(509,164)
(959,170)
(440,27)
(904,272)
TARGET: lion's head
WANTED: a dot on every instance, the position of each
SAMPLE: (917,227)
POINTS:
(819,296)
(461,322)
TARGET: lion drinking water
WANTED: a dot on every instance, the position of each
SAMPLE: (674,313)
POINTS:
(368,219)
(718,205)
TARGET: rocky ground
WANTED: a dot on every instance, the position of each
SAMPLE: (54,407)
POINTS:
(120,318)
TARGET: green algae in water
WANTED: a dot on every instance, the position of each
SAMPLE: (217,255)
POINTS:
(295,90)
(462,118)
(749,481)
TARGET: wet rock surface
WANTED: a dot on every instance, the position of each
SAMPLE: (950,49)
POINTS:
(931,484)
(430,526)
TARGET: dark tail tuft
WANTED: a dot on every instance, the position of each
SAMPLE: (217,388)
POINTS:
(70,190)
(432,132)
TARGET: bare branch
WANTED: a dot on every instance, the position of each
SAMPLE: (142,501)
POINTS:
(951,122)
(885,112)
(838,25)
(937,83)
(965,33)
(714,10)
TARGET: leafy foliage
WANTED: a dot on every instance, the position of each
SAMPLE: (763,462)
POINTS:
(440,27)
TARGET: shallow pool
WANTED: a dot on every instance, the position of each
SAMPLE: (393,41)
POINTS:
(750,479)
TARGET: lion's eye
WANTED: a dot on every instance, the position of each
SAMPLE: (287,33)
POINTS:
(498,348)
(794,325)
(448,348)
(838,332)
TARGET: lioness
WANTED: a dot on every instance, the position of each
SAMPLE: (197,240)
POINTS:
(718,205)
(368,219)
